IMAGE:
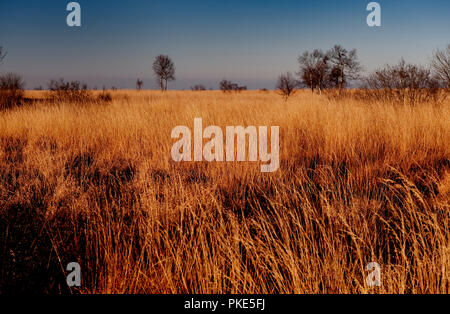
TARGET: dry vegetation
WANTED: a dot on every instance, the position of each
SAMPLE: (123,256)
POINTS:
(94,183)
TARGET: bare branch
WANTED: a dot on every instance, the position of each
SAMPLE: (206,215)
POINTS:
(441,65)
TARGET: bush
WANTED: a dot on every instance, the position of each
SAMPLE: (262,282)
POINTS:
(105,96)
(403,83)
(198,87)
(227,86)
(286,85)
(69,91)
(11,90)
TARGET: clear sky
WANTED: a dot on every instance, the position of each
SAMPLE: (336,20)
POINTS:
(247,41)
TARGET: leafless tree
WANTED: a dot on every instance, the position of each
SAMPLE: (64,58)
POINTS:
(286,85)
(164,69)
(405,83)
(2,54)
(314,69)
(344,66)
(139,84)
(441,65)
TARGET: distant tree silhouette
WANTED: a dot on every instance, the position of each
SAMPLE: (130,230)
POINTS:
(164,69)
(441,65)
(238,88)
(314,69)
(319,70)
(198,87)
(228,86)
(286,85)
(139,84)
(2,54)
(344,66)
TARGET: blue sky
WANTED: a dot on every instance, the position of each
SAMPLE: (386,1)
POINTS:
(248,41)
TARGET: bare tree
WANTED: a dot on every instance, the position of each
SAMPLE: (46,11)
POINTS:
(164,69)
(441,65)
(404,83)
(139,84)
(314,69)
(286,85)
(345,66)
(2,54)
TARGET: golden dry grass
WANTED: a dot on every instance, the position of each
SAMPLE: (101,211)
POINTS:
(95,184)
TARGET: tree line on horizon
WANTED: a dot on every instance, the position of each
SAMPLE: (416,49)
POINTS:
(318,71)
(336,68)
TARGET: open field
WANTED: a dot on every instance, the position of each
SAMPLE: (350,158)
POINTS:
(95,184)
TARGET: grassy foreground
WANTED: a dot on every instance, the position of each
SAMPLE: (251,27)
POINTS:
(95,184)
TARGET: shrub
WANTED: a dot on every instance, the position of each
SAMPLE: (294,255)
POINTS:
(403,83)
(227,86)
(198,87)
(286,85)
(11,90)
(69,91)
(105,96)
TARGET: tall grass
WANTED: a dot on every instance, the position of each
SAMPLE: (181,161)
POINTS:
(95,184)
